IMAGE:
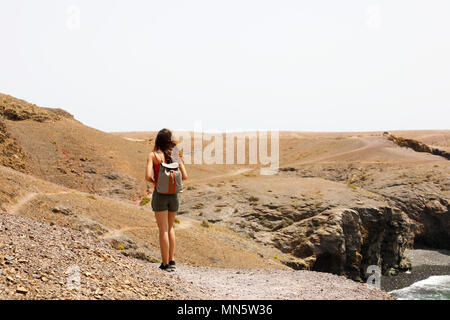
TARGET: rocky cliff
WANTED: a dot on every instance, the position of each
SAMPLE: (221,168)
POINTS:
(347,241)
(16,109)
(416,145)
(421,192)
(11,154)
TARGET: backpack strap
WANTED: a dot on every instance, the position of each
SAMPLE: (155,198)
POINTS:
(159,160)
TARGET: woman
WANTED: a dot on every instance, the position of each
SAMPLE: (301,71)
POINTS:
(165,206)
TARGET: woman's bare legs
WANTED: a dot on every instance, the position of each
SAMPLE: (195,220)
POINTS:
(171,220)
(163,226)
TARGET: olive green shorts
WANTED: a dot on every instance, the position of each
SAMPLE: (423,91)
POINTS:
(163,202)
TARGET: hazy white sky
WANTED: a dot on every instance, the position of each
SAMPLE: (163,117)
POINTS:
(233,65)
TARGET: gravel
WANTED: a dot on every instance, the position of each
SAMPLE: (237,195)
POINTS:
(430,257)
(248,284)
(37,261)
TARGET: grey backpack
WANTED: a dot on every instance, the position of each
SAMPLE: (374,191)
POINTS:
(169,178)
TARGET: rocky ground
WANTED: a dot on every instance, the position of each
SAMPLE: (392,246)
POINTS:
(39,261)
(427,256)
(278,284)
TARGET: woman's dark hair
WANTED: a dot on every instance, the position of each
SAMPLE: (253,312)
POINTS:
(164,143)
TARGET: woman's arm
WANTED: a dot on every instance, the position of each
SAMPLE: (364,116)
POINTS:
(149,169)
(183,171)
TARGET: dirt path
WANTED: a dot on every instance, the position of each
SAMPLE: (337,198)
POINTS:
(367,145)
(16,207)
(245,284)
(187,223)
(28,197)
(134,140)
(119,232)
(225,175)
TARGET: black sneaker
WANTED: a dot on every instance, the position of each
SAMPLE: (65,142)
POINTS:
(172,264)
(165,267)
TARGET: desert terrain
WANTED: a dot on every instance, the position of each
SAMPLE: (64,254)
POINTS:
(339,203)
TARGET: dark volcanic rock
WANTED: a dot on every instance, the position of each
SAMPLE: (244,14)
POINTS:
(288,169)
(417,146)
(441,153)
(347,241)
(426,206)
(65,211)
(17,110)
(436,224)
(59,112)
(421,193)
(90,170)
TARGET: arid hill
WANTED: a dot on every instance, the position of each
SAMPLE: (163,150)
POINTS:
(55,147)
(339,203)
